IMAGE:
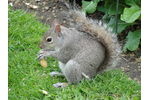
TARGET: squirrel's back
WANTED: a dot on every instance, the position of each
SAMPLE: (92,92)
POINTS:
(78,20)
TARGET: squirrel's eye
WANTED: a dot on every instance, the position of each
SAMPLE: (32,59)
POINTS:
(49,39)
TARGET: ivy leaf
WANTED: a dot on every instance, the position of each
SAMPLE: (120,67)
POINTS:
(136,98)
(131,14)
(133,41)
(96,1)
(109,7)
(89,6)
(133,2)
(121,25)
(102,9)
(112,9)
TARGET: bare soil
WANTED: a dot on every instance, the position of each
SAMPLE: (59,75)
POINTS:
(48,10)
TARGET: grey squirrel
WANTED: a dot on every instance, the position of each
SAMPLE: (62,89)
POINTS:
(83,49)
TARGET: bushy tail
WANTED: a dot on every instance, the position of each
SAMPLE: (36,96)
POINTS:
(99,31)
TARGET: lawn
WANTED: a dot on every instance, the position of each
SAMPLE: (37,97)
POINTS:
(27,79)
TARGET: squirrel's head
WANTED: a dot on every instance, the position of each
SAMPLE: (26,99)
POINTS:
(53,38)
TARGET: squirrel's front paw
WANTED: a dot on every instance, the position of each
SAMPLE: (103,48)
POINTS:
(41,54)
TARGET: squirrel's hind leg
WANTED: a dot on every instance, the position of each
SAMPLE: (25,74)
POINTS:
(72,72)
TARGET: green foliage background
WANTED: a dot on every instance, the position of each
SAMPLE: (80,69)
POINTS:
(129,13)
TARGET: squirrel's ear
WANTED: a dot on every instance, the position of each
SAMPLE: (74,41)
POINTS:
(57,27)
(58,30)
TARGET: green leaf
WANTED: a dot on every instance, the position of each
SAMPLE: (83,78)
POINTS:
(109,7)
(136,98)
(102,9)
(131,14)
(133,40)
(89,6)
(121,25)
(112,9)
(96,1)
(133,2)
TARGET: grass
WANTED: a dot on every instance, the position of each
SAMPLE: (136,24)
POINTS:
(27,78)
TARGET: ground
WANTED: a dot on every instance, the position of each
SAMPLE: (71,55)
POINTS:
(29,81)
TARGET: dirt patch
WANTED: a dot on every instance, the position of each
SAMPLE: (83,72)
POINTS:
(131,64)
(48,10)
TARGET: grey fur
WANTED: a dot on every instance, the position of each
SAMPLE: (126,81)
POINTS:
(79,53)
(83,49)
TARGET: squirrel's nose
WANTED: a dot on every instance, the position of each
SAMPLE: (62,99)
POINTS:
(41,46)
